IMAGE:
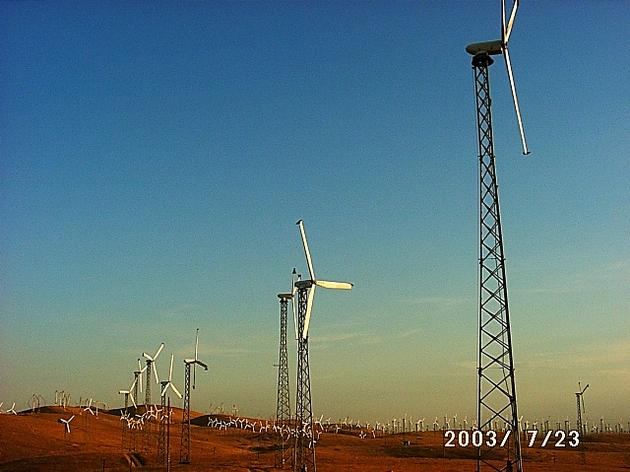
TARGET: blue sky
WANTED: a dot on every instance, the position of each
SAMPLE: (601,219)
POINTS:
(155,157)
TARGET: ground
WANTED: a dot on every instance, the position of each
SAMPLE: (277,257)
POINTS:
(37,442)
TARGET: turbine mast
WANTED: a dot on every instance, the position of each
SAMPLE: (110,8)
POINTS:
(496,387)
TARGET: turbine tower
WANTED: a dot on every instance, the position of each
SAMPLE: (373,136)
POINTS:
(496,395)
(162,439)
(283,404)
(304,453)
(151,363)
(579,397)
(184,449)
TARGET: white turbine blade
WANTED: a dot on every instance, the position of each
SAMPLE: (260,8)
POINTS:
(309,307)
(132,400)
(157,379)
(202,364)
(334,285)
(508,66)
(140,378)
(307,253)
(507,30)
(295,322)
(294,302)
(197,345)
(158,351)
(71,418)
(68,427)
(133,384)
(170,370)
(196,358)
(175,390)
(164,389)
(146,356)
(502,21)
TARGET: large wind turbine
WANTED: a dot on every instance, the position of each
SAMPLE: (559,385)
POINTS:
(184,450)
(304,459)
(496,395)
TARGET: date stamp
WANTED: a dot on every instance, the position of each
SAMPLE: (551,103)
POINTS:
(490,438)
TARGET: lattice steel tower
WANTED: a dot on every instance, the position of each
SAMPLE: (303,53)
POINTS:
(161,443)
(283,404)
(496,386)
(304,452)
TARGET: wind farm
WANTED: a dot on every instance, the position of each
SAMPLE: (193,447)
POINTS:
(460,302)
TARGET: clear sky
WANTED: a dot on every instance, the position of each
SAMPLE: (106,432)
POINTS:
(155,156)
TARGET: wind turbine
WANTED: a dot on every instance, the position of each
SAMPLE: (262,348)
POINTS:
(184,450)
(67,425)
(496,384)
(579,397)
(150,360)
(12,409)
(166,384)
(304,459)
(129,394)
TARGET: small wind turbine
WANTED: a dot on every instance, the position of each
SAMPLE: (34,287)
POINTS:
(12,409)
(579,396)
(129,394)
(67,425)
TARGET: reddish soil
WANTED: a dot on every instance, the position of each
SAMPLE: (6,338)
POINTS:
(36,442)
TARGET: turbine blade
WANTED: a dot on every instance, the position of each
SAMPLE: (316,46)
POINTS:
(197,345)
(295,322)
(132,400)
(334,285)
(309,307)
(164,389)
(294,301)
(508,66)
(175,390)
(170,370)
(146,356)
(157,380)
(307,253)
(158,351)
(507,30)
